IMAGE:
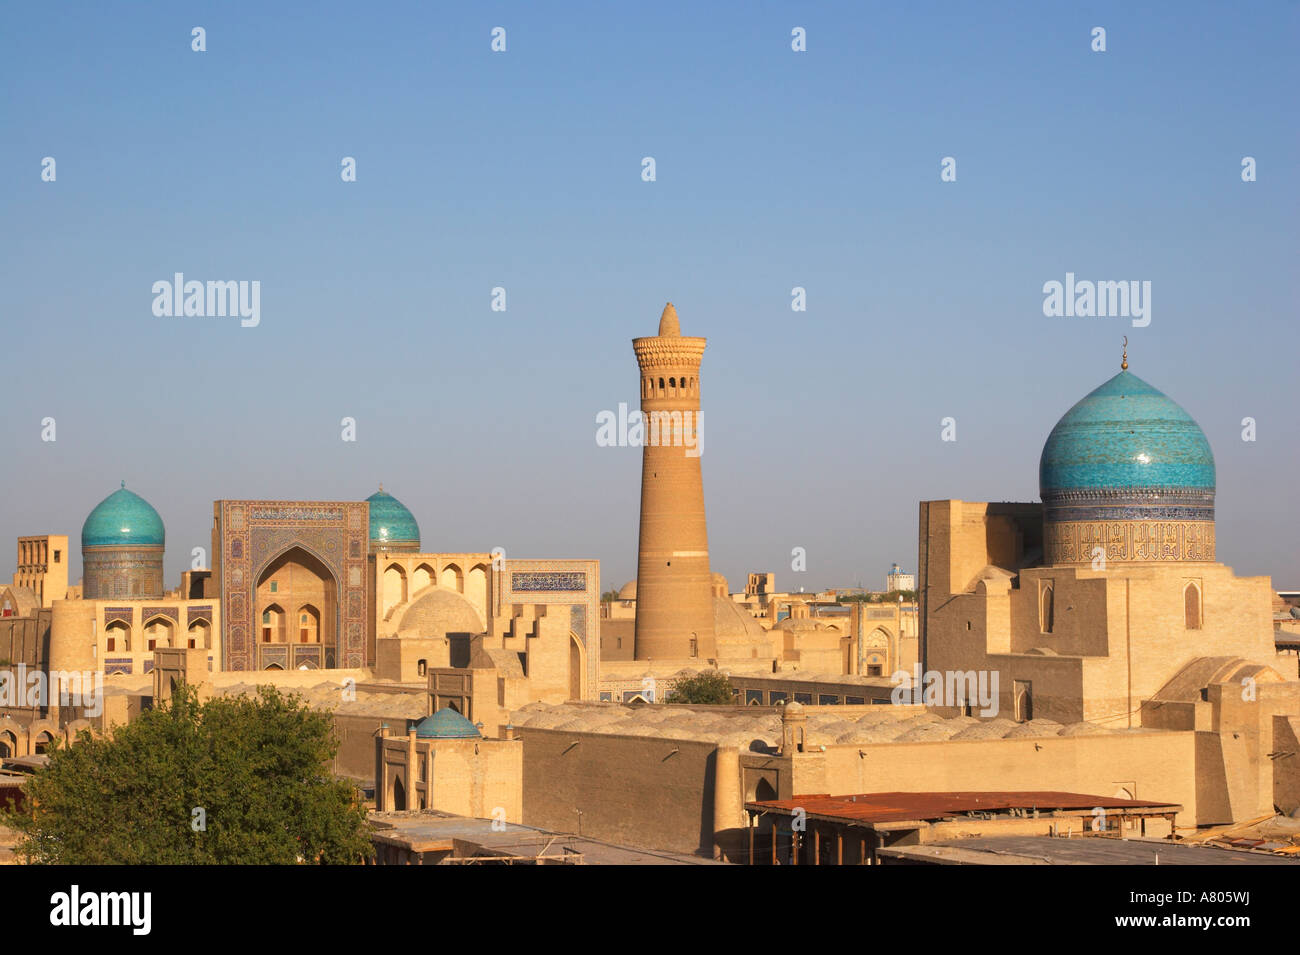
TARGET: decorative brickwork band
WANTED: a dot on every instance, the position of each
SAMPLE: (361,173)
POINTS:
(1129,504)
(1076,542)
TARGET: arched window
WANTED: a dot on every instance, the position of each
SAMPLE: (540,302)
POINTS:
(1192,606)
(1048,609)
(662,389)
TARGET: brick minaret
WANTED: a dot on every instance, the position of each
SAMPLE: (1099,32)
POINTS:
(674,599)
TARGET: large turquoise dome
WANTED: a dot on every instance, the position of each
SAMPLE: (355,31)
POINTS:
(391,524)
(1126,434)
(123,519)
(1127,475)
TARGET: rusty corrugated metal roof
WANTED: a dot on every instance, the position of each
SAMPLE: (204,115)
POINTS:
(894,807)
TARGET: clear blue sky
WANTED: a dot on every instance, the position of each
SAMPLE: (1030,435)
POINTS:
(523,170)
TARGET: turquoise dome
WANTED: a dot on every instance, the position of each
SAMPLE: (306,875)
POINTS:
(446,724)
(1126,434)
(123,519)
(390,522)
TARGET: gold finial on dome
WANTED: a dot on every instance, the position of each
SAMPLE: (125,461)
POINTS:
(1123,365)
(668,325)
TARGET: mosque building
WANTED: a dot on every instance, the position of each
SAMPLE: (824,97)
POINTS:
(1105,603)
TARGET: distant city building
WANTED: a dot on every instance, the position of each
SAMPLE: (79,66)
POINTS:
(896,579)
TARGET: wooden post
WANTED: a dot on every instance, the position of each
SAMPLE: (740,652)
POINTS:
(817,845)
(839,847)
(774,827)
(749,823)
(794,846)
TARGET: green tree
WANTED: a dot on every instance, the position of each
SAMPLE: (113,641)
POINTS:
(609,596)
(256,766)
(707,687)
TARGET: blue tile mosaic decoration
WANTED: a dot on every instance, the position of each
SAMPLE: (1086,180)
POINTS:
(390,521)
(563,582)
(123,519)
(1126,434)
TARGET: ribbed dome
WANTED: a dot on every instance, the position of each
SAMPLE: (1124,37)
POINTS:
(390,522)
(1126,434)
(123,519)
(446,724)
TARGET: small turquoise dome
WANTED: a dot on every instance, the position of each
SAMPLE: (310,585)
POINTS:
(1126,434)
(123,519)
(446,724)
(390,522)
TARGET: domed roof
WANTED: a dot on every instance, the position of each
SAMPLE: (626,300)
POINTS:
(446,724)
(732,621)
(1126,434)
(390,521)
(123,519)
(627,591)
(438,612)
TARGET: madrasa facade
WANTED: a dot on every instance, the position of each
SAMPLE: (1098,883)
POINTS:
(301,586)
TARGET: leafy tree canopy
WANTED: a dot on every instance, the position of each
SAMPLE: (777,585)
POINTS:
(708,687)
(257,767)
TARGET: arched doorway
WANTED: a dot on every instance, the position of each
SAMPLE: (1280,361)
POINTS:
(200,635)
(1022,695)
(308,624)
(295,584)
(873,653)
(394,590)
(577,667)
(273,624)
(158,633)
(421,578)
(476,588)
(399,796)
(117,637)
(452,578)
